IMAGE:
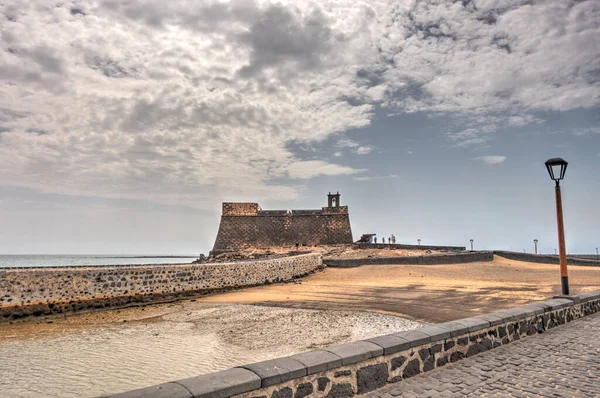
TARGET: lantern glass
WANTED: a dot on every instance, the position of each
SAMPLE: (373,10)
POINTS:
(556,168)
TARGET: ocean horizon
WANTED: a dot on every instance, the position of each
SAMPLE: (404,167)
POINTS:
(69,260)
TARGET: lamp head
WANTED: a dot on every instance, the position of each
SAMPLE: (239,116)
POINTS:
(556,168)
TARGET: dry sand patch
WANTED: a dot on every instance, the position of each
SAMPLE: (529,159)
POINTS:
(426,293)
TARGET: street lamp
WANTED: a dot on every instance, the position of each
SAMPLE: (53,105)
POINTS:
(557,168)
(471,240)
(596,254)
(535,241)
(419,242)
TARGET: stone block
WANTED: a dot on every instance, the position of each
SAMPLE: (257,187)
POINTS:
(589,296)
(390,343)
(341,390)
(414,337)
(505,315)
(435,332)
(318,361)
(166,390)
(538,309)
(475,323)
(285,392)
(222,384)
(371,377)
(304,390)
(322,383)
(356,351)
(574,299)
(520,313)
(556,304)
(492,319)
(413,368)
(456,328)
(277,370)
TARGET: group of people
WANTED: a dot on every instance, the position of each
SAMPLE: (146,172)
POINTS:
(391,239)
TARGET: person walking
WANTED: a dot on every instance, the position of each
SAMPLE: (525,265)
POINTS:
(383,240)
(375,238)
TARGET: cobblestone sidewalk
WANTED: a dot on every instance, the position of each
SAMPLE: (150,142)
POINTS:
(563,362)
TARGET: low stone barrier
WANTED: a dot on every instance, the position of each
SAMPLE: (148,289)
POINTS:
(45,291)
(363,366)
(432,259)
(408,247)
(547,259)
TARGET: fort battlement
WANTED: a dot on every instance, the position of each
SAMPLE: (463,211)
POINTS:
(245,225)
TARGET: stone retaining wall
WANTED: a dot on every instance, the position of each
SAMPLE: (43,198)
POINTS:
(362,366)
(433,259)
(408,247)
(547,259)
(44,291)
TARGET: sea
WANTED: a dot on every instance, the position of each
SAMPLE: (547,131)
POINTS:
(55,260)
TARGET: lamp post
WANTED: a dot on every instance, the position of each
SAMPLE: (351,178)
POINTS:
(471,240)
(596,254)
(419,242)
(557,168)
(535,241)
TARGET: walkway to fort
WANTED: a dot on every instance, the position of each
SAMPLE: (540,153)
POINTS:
(564,362)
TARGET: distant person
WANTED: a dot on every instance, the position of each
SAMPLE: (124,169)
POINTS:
(297,245)
(390,239)
(383,240)
(393,239)
(375,240)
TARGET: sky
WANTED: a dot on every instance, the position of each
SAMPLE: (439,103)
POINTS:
(124,124)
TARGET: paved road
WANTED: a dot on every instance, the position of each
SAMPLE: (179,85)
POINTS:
(564,362)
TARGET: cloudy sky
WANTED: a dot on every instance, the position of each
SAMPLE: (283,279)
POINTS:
(125,123)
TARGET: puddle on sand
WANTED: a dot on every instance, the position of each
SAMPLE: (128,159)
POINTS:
(119,357)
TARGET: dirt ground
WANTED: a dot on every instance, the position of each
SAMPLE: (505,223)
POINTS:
(424,293)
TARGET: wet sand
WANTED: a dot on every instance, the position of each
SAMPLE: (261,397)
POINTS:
(119,350)
(424,293)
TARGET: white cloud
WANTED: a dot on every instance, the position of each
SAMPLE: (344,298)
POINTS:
(187,102)
(354,145)
(347,143)
(363,150)
(314,168)
(374,177)
(491,159)
(586,131)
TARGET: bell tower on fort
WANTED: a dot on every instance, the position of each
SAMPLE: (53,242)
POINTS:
(333,199)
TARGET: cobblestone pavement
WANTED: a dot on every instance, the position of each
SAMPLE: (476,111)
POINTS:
(563,362)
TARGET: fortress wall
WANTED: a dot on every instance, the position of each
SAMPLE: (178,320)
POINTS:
(434,259)
(547,259)
(238,232)
(42,291)
(409,247)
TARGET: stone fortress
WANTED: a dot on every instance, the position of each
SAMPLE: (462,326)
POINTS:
(246,225)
